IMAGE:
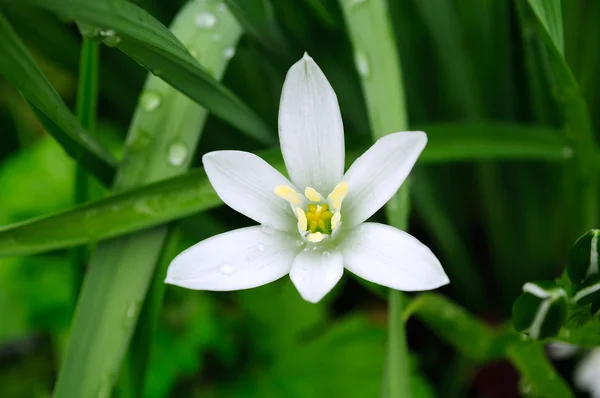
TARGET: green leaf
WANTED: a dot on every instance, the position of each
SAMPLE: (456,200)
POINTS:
(183,195)
(489,141)
(150,43)
(120,270)
(583,184)
(467,334)
(532,362)
(549,13)
(257,18)
(19,68)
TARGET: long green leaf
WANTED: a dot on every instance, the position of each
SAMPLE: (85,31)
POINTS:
(183,195)
(257,17)
(576,117)
(143,38)
(121,270)
(544,380)
(457,326)
(379,68)
(549,13)
(19,68)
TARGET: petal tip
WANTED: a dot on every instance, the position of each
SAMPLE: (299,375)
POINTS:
(306,57)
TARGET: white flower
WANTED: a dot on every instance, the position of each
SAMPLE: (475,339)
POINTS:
(587,373)
(314,225)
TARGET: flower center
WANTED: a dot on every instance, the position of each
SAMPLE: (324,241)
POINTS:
(318,218)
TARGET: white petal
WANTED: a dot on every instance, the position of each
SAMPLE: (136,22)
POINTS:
(315,273)
(376,176)
(390,257)
(240,259)
(310,128)
(587,373)
(246,183)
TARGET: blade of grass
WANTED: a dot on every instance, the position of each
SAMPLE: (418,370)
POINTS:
(576,117)
(180,196)
(143,38)
(121,269)
(257,18)
(534,366)
(378,65)
(87,102)
(19,68)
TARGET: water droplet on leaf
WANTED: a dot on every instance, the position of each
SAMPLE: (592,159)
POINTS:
(150,100)
(229,52)
(362,64)
(110,37)
(178,154)
(205,20)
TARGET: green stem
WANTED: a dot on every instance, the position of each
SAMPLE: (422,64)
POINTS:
(378,65)
(86,109)
(398,368)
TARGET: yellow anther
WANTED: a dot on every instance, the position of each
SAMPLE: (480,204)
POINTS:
(302,222)
(288,193)
(335,220)
(313,195)
(338,194)
(315,237)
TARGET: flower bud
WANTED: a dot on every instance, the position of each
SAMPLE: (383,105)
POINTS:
(583,258)
(541,310)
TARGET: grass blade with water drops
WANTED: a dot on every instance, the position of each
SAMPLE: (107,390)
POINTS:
(19,68)
(143,38)
(378,65)
(180,196)
(161,140)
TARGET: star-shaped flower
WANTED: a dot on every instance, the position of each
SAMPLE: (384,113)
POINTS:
(314,225)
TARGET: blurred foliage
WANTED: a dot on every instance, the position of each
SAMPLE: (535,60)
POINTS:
(495,223)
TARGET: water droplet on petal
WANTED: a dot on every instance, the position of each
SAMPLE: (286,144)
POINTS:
(260,247)
(178,153)
(229,52)
(205,20)
(326,254)
(299,242)
(226,269)
(362,64)
(267,230)
(150,100)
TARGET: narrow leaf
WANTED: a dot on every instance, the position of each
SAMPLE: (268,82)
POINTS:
(19,68)
(161,141)
(146,40)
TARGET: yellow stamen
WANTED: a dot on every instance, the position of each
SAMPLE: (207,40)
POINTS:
(319,218)
(288,193)
(338,194)
(302,222)
(313,195)
(315,237)
(335,220)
